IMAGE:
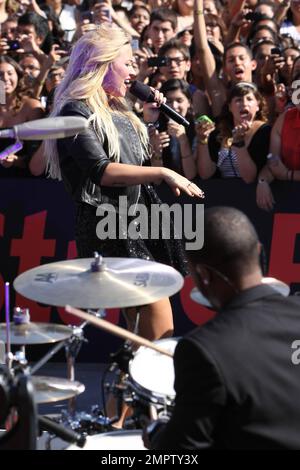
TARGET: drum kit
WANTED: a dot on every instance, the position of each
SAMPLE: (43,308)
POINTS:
(94,285)
(144,375)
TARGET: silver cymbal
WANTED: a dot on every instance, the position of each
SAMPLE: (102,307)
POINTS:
(51,389)
(277,285)
(108,283)
(35,333)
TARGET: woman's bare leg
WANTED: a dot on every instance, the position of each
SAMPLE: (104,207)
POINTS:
(156,320)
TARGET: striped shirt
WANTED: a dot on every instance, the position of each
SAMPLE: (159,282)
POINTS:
(228,163)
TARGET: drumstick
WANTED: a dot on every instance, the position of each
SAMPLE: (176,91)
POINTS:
(116,330)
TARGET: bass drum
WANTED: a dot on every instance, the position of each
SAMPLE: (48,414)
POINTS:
(115,440)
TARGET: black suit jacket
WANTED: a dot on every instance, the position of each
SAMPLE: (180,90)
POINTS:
(236,385)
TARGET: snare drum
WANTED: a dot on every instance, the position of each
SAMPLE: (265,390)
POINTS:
(116,440)
(151,374)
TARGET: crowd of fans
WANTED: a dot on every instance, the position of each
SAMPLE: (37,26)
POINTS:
(231,68)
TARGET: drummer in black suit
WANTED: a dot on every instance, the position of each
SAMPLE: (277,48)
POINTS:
(237,385)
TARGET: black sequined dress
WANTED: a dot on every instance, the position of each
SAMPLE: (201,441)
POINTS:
(167,251)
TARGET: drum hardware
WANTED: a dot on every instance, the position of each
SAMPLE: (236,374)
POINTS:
(17,403)
(52,389)
(81,423)
(72,348)
(17,396)
(8,356)
(115,387)
(58,430)
(143,409)
(15,363)
(119,364)
(45,389)
(138,392)
(21,316)
(91,283)
(2,352)
(142,412)
(23,332)
(121,358)
(71,343)
(118,389)
(90,423)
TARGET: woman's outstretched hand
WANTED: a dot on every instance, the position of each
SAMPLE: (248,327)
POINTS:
(181,184)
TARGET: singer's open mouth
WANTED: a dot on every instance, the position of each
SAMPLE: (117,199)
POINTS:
(128,81)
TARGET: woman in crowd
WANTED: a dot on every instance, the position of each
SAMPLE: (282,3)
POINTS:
(184,10)
(139,17)
(239,144)
(292,23)
(172,142)
(15,108)
(283,162)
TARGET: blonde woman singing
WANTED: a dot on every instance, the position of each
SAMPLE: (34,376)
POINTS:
(110,158)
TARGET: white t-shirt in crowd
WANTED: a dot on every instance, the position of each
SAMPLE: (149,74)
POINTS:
(287,27)
(67,21)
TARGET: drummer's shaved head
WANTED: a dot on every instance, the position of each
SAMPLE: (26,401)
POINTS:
(230,242)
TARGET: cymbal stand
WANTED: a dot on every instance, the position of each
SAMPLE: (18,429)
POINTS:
(128,320)
(72,346)
(72,350)
(15,363)
(77,334)
(9,355)
(69,418)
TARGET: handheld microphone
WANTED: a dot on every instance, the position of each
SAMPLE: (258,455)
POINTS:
(144,93)
(47,128)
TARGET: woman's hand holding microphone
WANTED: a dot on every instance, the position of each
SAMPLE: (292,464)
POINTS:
(173,179)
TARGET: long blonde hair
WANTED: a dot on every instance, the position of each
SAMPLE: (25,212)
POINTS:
(89,62)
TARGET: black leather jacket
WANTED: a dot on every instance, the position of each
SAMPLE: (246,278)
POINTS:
(83,159)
